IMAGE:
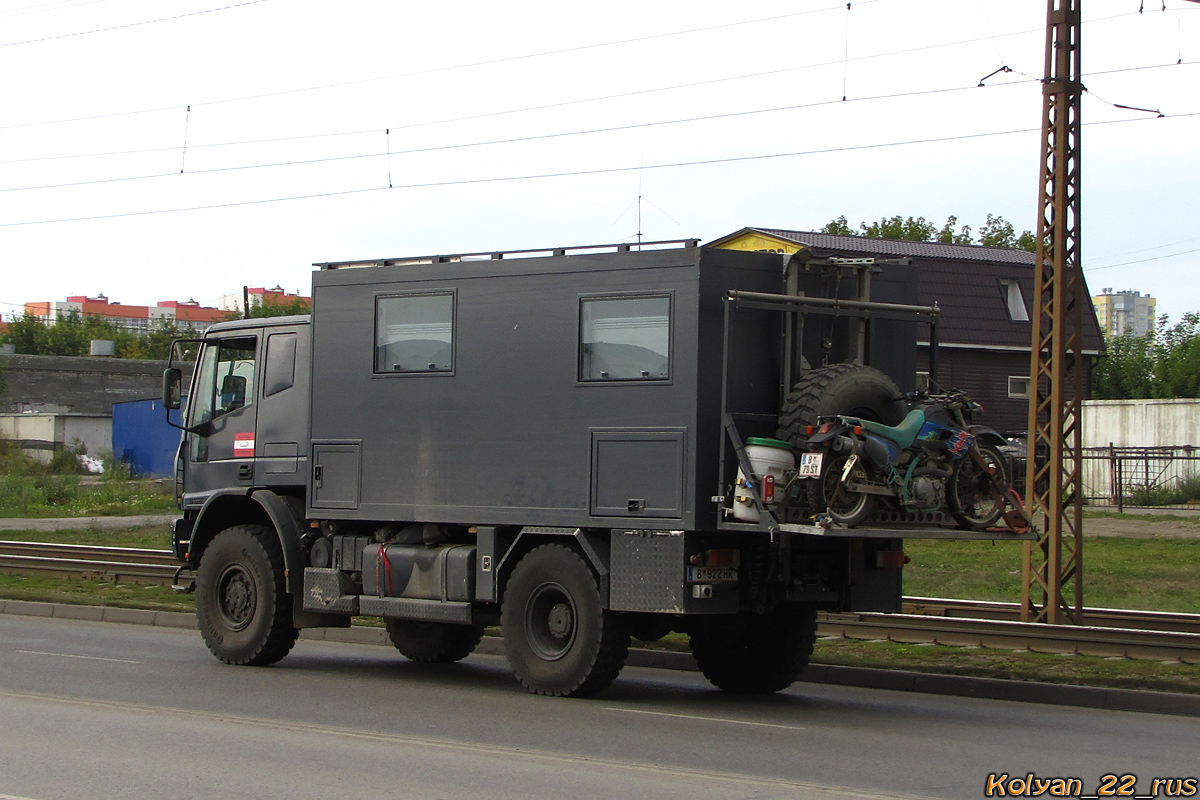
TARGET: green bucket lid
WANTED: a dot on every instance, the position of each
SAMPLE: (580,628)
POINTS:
(776,443)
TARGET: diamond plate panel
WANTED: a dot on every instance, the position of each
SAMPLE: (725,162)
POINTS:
(648,571)
(325,590)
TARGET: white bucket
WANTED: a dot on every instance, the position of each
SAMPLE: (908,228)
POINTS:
(771,460)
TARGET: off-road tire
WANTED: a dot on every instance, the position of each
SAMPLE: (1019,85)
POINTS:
(847,389)
(433,642)
(756,653)
(243,609)
(969,491)
(558,637)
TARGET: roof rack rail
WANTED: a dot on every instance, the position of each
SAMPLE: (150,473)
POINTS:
(496,255)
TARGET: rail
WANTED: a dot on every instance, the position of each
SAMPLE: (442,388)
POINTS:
(497,255)
(1159,636)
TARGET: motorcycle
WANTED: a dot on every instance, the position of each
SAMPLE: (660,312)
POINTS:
(934,460)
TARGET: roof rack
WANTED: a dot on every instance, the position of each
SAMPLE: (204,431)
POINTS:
(497,255)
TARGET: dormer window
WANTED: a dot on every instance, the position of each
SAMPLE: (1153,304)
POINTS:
(1014,300)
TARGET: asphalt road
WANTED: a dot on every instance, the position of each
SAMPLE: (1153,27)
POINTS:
(108,710)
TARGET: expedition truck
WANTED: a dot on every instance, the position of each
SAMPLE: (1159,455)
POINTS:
(559,442)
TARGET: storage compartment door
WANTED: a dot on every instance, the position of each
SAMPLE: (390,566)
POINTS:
(336,475)
(638,473)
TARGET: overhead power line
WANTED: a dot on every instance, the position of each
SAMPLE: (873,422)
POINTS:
(549,175)
(512,140)
(131,24)
(1142,260)
(436,70)
(543,107)
(508,59)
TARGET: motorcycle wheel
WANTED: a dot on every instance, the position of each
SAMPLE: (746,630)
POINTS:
(970,490)
(849,508)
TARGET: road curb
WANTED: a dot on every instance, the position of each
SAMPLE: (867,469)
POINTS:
(1174,703)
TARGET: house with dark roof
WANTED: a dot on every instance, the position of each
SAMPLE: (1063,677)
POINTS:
(985,295)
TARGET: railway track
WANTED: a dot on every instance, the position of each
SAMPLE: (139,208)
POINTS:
(1121,633)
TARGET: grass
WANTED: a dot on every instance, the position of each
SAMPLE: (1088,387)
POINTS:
(92,592)
(1146,574)
(39,496)
(146,537)
(1150,574)
(29,488)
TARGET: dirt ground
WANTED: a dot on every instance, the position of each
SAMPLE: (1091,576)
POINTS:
(1136,525)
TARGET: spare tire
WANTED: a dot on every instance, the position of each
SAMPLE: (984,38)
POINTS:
(848,389)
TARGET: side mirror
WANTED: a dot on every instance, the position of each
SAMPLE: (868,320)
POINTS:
(172,388)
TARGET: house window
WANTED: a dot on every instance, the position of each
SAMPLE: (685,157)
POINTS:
(414,333)
(625,339)
(1018,386)
(1014,301)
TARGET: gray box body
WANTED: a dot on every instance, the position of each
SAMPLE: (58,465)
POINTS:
(510,435)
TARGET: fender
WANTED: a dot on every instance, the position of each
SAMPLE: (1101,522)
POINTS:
(229,507)
(592,544)
(986,434)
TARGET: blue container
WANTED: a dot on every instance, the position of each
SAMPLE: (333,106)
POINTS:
(142,438)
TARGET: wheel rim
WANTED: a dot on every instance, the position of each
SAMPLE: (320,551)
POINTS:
(550,618)
(236,597)
(848,503)
(974,490)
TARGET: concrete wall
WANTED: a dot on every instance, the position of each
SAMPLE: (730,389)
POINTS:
(1141,423)
(41,434)
(65,384)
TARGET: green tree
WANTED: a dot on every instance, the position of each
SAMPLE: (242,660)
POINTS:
(947,235)
(909,230)
(996,232)
(1162,363)
(838,227)
(1127,370)
(1177,358)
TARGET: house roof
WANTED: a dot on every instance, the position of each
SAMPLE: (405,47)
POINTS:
(893,247)
(967,282)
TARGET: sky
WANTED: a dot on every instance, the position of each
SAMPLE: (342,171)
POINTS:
(179,149)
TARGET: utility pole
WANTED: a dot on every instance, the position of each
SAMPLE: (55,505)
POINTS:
(1053,565)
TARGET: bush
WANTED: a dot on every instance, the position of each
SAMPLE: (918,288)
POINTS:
(1182,492)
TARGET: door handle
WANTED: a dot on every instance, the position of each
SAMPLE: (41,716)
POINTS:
(245,472)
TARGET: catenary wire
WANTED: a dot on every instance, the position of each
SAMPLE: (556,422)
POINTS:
(431,70)
(131,24)
(513,140)
(506,59)
(570,174)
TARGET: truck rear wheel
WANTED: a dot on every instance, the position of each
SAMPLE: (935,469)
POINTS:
(558,638)
(242,606)
(433,642)
(756,653)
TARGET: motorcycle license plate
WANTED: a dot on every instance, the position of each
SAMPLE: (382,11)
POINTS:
(810,465)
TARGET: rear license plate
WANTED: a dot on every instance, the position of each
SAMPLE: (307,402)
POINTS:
(711,575)
(810,465)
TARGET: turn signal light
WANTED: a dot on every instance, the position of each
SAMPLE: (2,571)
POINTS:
(858,430)
(808,430)
(891,559)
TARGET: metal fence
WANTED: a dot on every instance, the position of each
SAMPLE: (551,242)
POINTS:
(1142,477)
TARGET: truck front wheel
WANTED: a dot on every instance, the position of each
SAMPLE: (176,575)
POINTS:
(756,653)
(558,638)
(433,642)
(242,605)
